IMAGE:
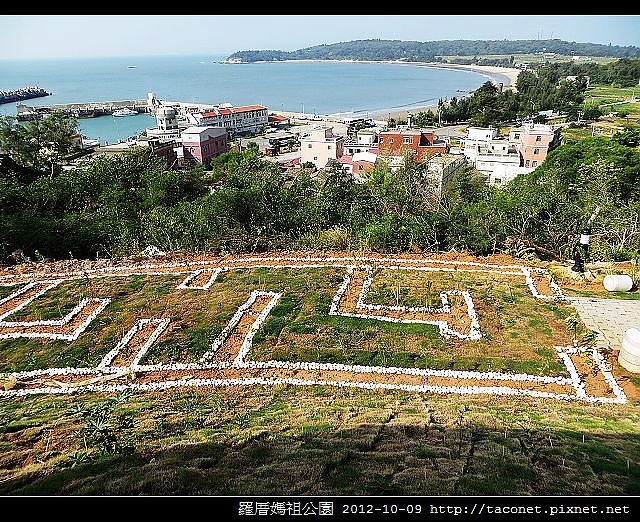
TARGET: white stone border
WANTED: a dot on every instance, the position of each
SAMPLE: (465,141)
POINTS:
(186,284)
(237,317)
(249,381)
(579,385)
(24,289)
(557,291)
(445,331)
(239,361)
(126,339)
(64,337)
(285,365)
(576,381)
(366,286)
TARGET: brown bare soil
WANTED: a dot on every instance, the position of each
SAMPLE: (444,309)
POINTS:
(67,329)
(232,344)
(27,271)
(590,374)
(129,351)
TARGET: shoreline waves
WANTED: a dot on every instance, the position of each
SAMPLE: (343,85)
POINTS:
(505,75)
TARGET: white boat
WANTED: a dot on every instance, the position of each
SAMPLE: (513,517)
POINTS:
(124,112)
(89,142)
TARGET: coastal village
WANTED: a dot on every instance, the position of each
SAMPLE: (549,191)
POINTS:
(187,133)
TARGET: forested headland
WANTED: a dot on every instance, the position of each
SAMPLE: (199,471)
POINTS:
(431,51)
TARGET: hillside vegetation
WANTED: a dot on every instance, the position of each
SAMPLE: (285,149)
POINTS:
(430,51)
(118,205)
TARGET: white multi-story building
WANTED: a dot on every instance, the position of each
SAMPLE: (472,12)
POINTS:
(167,127)
(236,120)
(321,145)
(478,139)
(488,152)
(501,159)
(365,139)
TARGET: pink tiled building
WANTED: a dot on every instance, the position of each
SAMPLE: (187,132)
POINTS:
(200,144)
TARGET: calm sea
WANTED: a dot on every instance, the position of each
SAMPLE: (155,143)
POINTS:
(312,87)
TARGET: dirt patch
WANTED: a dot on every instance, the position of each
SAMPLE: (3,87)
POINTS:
(129,351)
(591,376)
(66,329)
(81,268)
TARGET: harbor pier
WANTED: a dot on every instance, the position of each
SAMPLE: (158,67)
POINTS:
(80,110)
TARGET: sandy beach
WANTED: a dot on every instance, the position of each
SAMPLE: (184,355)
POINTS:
(505,75)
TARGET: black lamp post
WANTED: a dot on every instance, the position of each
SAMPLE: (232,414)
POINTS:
(581,251)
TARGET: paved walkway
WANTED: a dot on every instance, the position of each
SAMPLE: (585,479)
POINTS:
(610,318)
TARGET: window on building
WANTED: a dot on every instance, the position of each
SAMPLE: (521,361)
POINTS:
(536,151)
(391,140)
(534,163)
(328,147)
(526,163)
(538,138)
(381,139)
(310,145)
(516,136)
(315,158)
(407,139)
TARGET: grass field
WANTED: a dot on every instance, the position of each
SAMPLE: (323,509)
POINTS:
(316,439)
(288,440)
(609,99)
(513,320)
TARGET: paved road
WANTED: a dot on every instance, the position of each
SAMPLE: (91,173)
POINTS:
(610,318)
(454,131)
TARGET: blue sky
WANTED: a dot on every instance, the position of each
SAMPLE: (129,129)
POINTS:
(64,36)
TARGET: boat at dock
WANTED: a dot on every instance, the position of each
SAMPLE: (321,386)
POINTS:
(89,142)
(124,112)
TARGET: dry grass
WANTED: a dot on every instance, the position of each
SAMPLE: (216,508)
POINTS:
(313,440)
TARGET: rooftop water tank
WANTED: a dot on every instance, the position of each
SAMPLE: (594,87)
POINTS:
(629,356)
(618,283)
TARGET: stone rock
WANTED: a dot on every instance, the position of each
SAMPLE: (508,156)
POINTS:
(153,251)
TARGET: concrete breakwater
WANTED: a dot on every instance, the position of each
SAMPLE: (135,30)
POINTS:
(26,93)
(80,110)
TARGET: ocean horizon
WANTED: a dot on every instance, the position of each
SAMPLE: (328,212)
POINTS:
(311,87)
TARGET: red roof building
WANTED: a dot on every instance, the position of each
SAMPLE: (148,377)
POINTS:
(422,143)
(248,118)
(276,119)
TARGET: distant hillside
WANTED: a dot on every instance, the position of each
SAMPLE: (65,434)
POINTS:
(428,51)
